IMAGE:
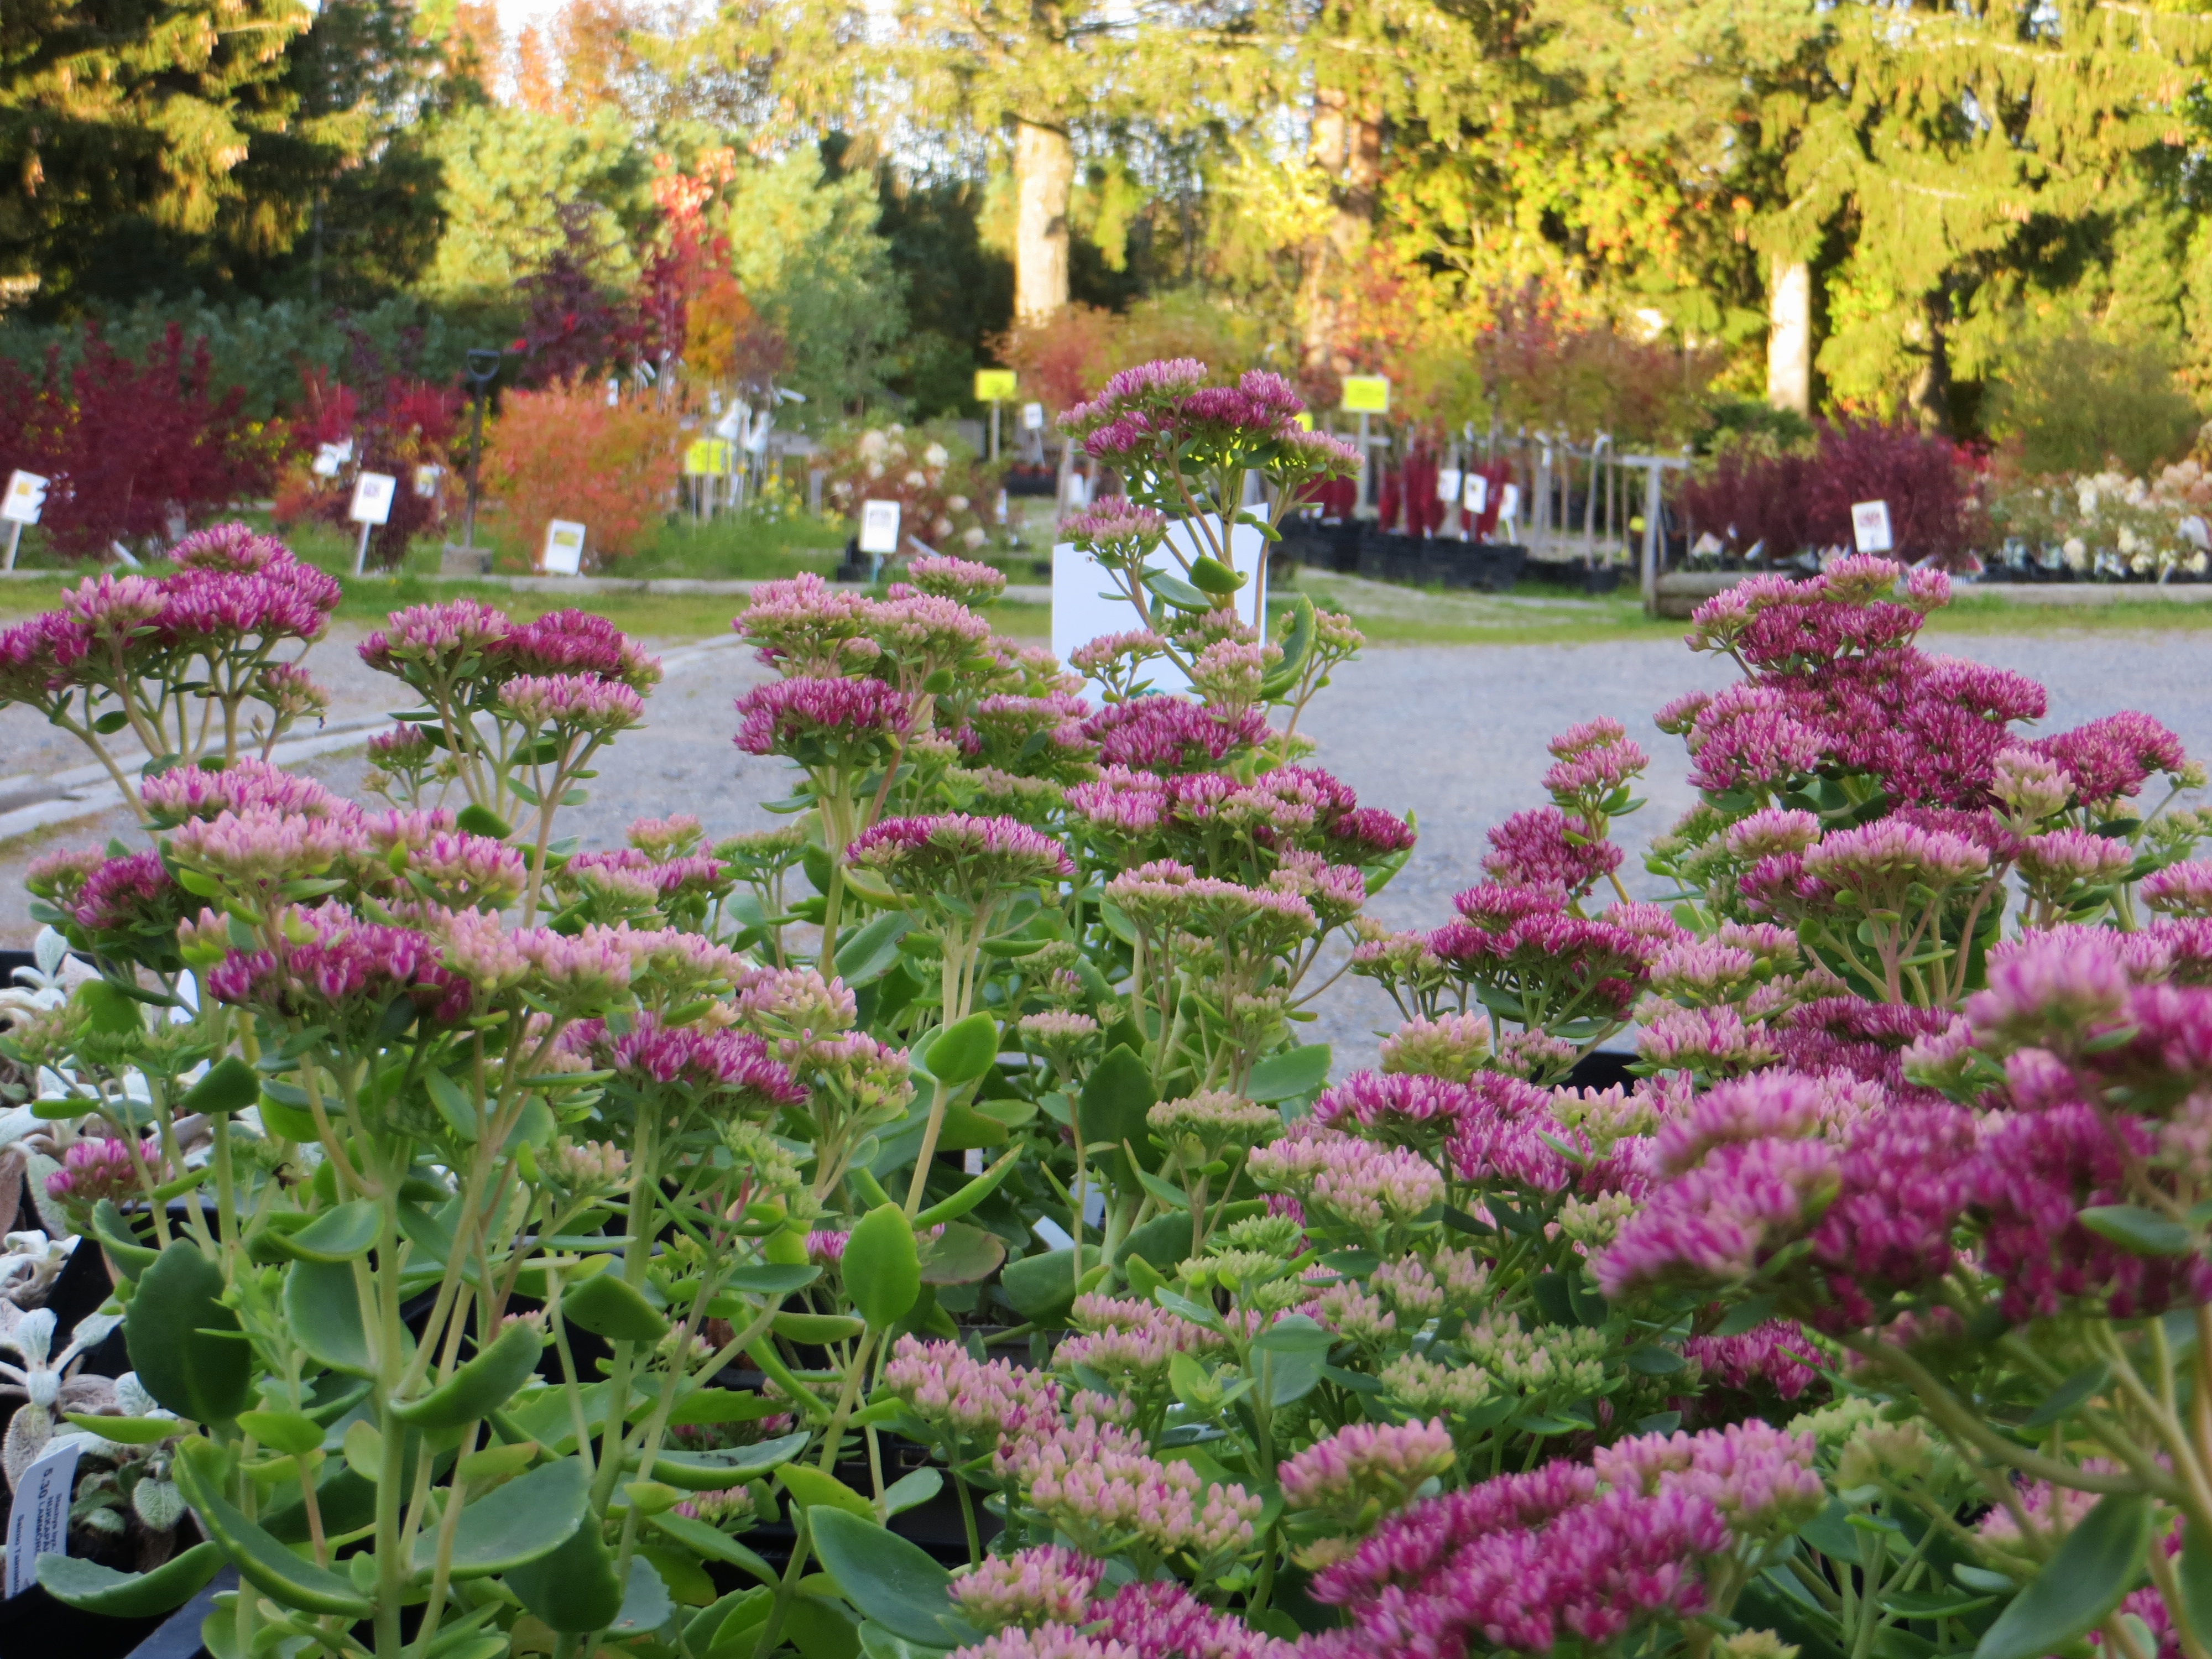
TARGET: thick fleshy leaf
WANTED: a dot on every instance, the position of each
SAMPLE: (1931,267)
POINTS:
(337,1235)
(323,1311)
(515,1524)
(607,1305)
(183,1343)
(889,1580)
(2096,1566)
(90,1588)
(482,1386)
(961,1255)
(962,1052)
(730,1466)
(1287,1076)
(573,1587)
(262,1561)
(881,1265)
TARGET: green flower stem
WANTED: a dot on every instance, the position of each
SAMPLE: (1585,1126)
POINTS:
(825,960)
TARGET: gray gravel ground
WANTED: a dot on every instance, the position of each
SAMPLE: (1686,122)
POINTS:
(1454,733)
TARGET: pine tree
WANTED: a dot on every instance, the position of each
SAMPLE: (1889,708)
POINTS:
(124,125)
(1962,145)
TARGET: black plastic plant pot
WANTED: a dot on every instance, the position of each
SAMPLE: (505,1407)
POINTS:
(34,1626)
(10,961)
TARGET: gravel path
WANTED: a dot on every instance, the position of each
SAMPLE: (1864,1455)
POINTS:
(1454,734)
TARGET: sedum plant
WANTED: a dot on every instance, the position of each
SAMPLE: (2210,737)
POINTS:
(522,1249)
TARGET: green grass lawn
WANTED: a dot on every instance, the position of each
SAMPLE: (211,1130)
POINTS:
(731,548)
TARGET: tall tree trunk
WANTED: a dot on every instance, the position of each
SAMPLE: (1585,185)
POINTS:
(1347,145)
(1044,178)
(1789,335)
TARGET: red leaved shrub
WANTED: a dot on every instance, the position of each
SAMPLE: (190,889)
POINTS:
(1792,501)
(134,450)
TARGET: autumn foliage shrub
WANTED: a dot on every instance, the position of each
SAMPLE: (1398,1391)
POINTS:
(397,425)
(1793,500)
(133,448)
(562,452)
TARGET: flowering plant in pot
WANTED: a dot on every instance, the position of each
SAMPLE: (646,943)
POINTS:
(525,1249)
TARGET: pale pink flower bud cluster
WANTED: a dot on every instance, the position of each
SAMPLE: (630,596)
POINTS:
(1110,1497)
(246,784)
(1129,1343)
(1351,1181)
(2180,890)
(1452,1046)
(1711,1041)
(2055,861)
(1366,1469)
(1047,1585)
(948,578)
(1110,650)
(1772,830)
(955,851)
(1162,1619)
(1116,524)
(2032,787)
(789,1002)
(259,848)
(96,1169)
(579,703)
(977,1400)
(1759,1477)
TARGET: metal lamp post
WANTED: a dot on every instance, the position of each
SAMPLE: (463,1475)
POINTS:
(484,363)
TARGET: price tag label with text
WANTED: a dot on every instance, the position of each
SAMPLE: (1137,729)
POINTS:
(26,498)
(372,498)
(564,548)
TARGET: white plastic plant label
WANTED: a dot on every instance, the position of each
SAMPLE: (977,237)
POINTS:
(1477,495)
(372,498)
(26,498)
(1509,503)
(1033,417)
(880,527)
(564,548)
(1870,527)
(38,1520)
(329,458)
(1448,485)
(1085,605)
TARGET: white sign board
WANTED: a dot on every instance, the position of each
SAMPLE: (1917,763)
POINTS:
(1033,417)
(1509,503)
(1448,485)
(372,498)
(1085,605)
(25,500)
(38,1521)
(329,458)
(1477,493)
(1870,527)
(880,527)
(564,548)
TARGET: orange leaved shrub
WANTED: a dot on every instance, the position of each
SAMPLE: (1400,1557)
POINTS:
(560,453)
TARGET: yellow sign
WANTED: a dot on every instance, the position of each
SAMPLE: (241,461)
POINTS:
(1366,394)
(994,386)
(707,457)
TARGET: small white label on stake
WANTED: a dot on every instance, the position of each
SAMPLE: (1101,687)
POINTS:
(1033,417)
(426,480)
(1448,485)
(372,497)
(26,498)
(564,548)
(38,1521)
(1477,493)
(329,458)
(1509,502)
(880,527)
(1870,527)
